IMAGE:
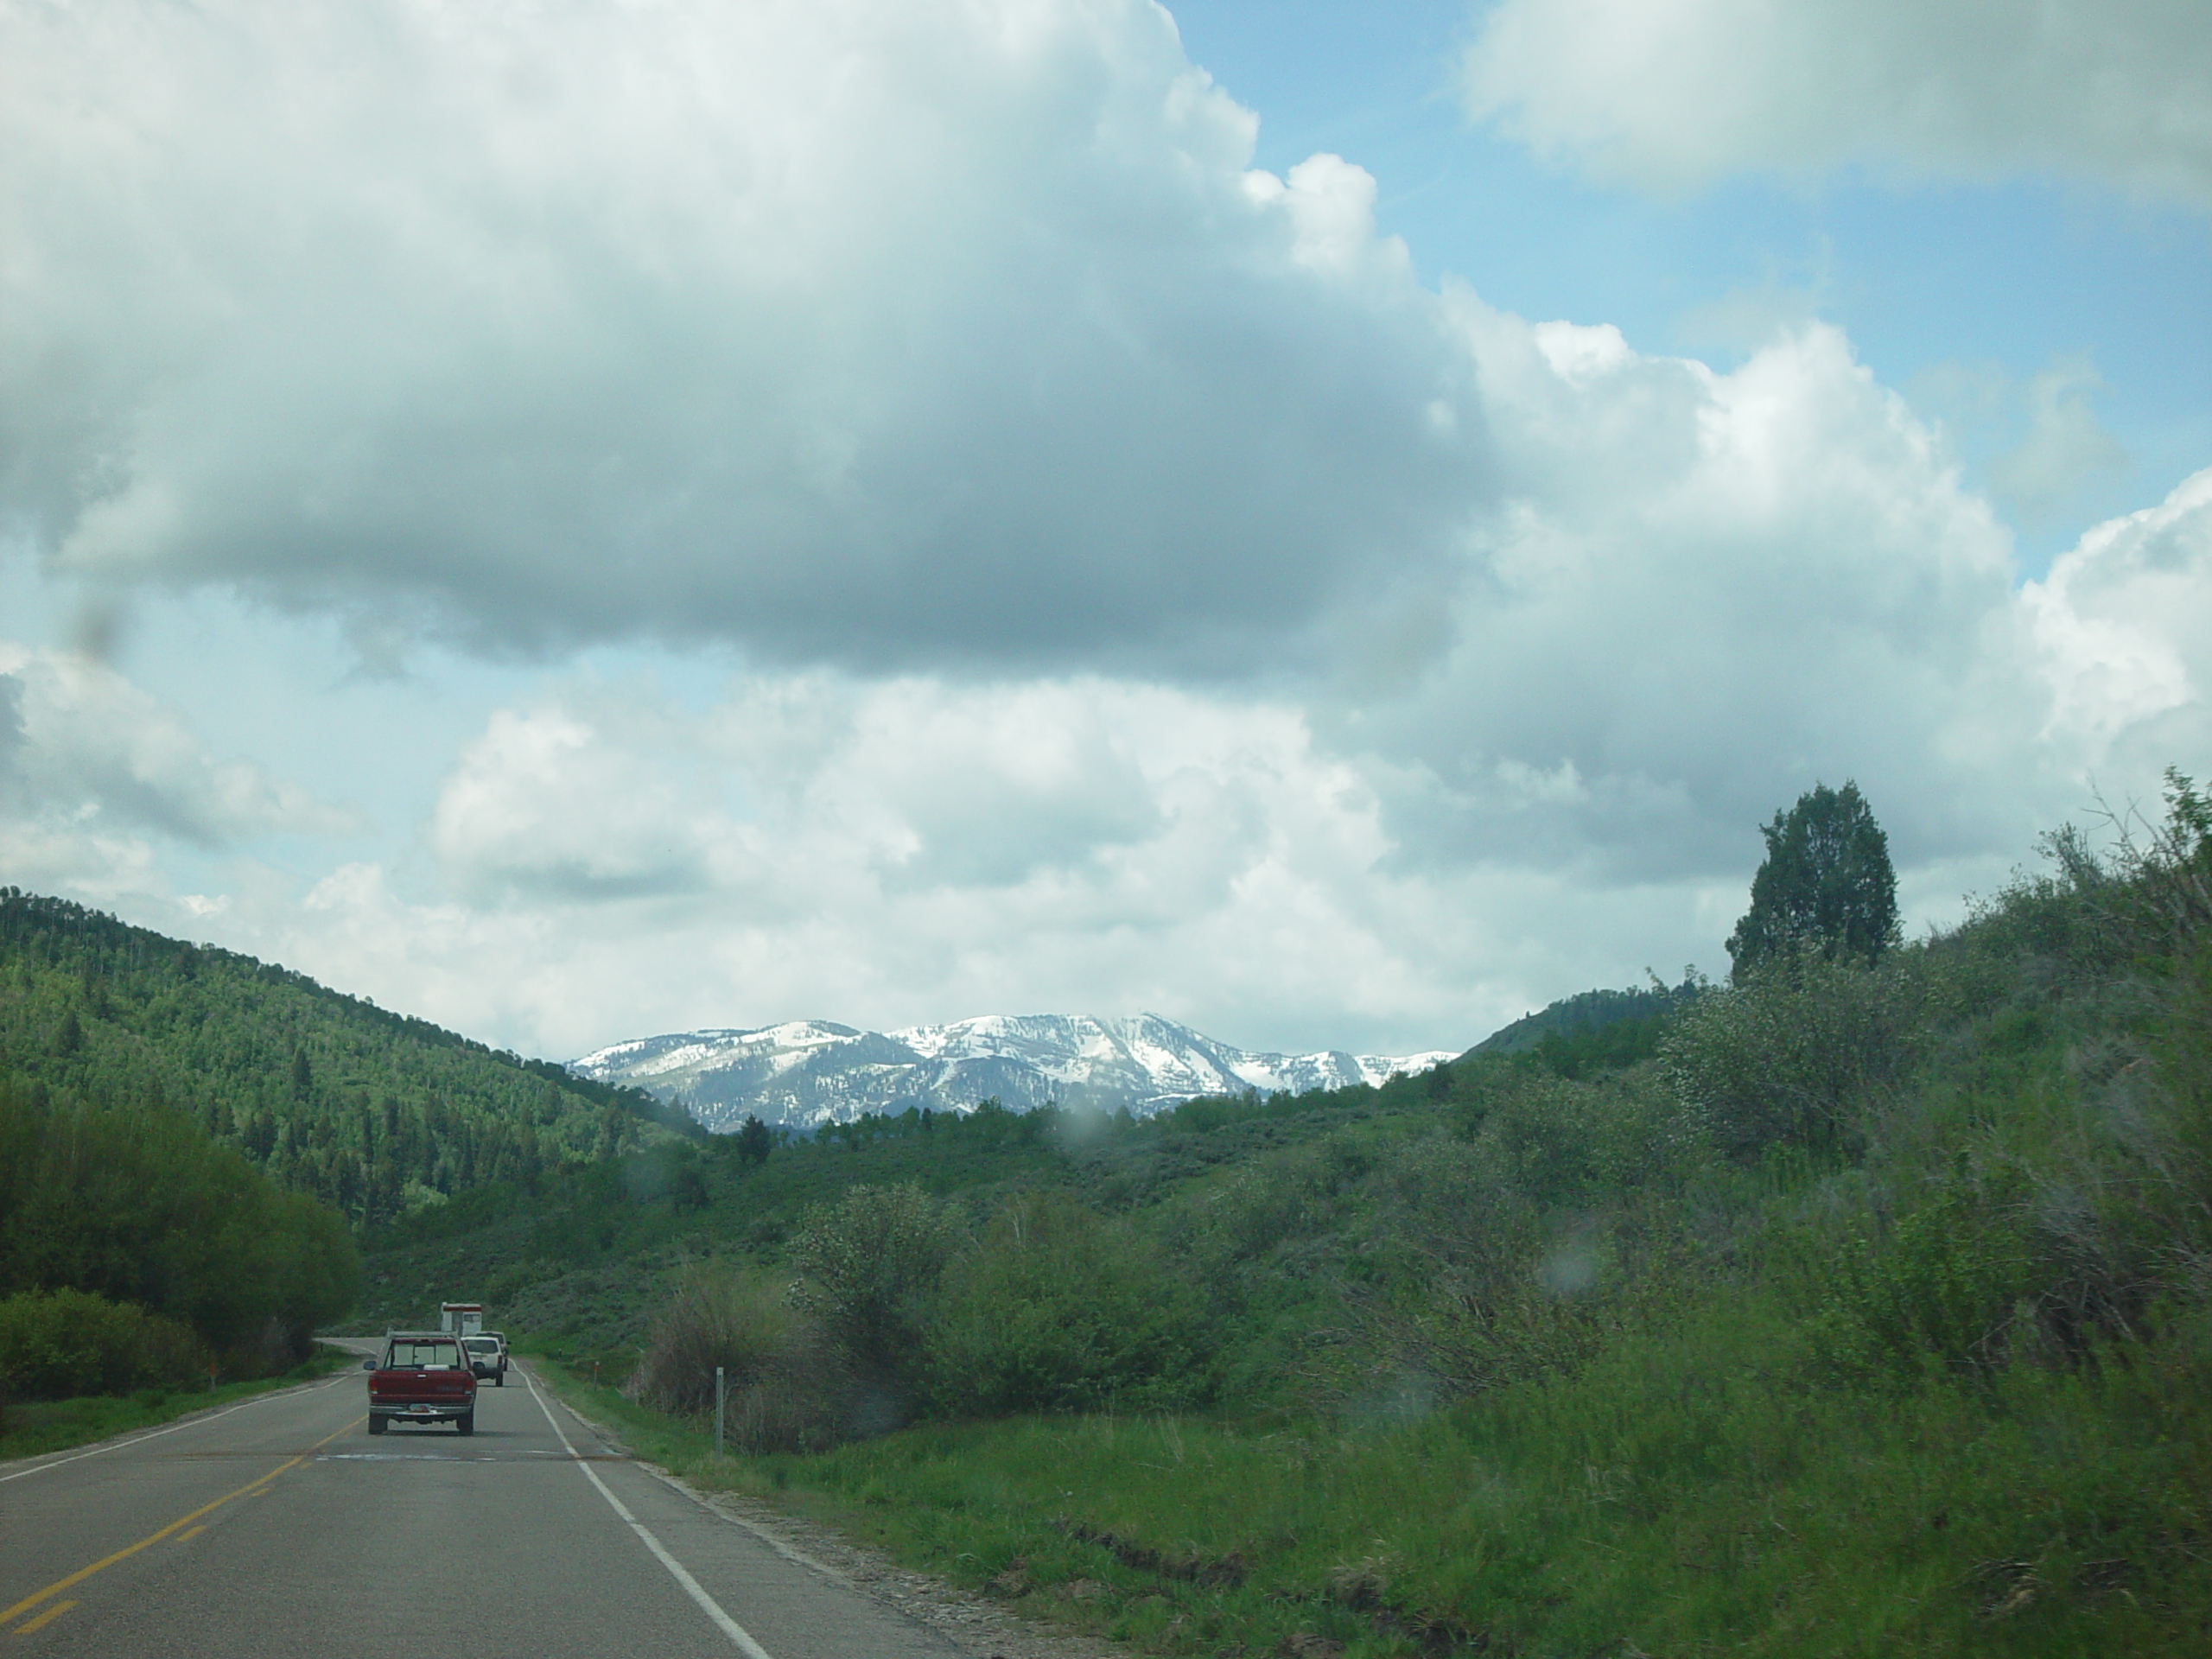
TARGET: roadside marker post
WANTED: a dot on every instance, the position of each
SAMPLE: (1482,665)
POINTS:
(721,1394)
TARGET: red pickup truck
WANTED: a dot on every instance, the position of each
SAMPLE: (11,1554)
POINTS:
(423,1377)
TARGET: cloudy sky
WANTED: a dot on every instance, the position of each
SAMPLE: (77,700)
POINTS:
(1331,522)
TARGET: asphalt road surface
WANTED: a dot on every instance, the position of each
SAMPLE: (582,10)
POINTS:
(278,1526)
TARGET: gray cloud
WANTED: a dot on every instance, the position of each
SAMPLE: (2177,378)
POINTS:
(866,334)
(11,726)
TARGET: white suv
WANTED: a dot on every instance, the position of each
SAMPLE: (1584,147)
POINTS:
(488,1355)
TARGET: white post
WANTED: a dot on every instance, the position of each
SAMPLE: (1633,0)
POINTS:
(721,1395)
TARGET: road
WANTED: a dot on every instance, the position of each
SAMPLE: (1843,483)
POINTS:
(278,1526)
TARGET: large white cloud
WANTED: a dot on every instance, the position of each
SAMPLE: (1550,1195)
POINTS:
(849,330)
(2125,624)
(886,852)
(1147,594)
(1714,590)
(1673,94)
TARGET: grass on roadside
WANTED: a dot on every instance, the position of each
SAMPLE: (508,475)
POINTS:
(1674,1501)
(30,1429)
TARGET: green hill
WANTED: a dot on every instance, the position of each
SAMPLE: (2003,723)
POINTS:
(1602,1027)
(371,1111)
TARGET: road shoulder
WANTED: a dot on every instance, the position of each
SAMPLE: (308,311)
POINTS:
(968,1621)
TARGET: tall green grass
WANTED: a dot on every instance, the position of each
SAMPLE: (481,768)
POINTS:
(1684,1497)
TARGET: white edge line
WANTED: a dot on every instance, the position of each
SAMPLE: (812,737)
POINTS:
(796,1557)
(193,1421)
(728,1626)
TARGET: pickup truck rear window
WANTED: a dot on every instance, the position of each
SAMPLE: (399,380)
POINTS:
(422,1355)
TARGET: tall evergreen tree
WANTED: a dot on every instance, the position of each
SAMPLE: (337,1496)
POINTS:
(1827,885)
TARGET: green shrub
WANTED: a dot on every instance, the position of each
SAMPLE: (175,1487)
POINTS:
(2166,872)
(867,1268)
(1561,1142)
(1520,1247)
(1060,1309)
(1953,1286)
(1479,1285)
(1257,1208)
(1798,1054)
(786,1387)
(2182,1120)
(61,1344)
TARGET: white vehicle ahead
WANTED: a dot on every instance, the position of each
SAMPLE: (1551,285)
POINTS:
(488,1357)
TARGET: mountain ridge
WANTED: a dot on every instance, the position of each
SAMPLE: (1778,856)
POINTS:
(807,1073)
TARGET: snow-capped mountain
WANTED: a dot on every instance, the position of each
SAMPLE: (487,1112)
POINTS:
(811,1073)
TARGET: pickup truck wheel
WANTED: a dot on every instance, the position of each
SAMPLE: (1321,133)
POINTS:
(378,1425)
(466,1422)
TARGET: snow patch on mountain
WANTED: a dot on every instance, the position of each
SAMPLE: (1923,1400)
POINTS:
(808,1072)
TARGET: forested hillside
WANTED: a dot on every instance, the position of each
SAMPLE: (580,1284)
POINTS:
(1630,1022)
(134,1250)
(369,1111)
(1861,1305)
(587,1253)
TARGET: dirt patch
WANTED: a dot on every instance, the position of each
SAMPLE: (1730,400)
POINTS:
(1227,1571)
(1361,1589)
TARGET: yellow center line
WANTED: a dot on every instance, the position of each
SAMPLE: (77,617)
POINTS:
(181,1522)
(48,1617)
(190,1532)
